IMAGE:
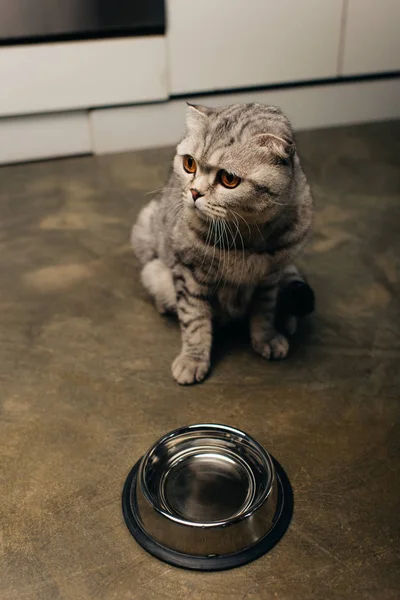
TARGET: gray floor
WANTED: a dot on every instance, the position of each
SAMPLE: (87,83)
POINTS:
(86,386)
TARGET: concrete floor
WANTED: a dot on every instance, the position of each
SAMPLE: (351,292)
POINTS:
(86,386)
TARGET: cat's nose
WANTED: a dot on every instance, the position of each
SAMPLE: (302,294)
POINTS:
(195,194)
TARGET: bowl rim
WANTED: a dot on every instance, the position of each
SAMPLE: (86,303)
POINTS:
(251,509)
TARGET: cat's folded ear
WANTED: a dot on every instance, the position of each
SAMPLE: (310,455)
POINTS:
(197,114)
(282,149)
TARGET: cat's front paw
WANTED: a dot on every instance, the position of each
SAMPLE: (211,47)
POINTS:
(187,370)
(274,349)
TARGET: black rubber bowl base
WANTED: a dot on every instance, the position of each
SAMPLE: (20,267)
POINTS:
(222,562)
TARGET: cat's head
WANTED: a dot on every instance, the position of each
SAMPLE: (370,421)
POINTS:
(236,162)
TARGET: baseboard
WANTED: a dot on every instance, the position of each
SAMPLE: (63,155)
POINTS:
(308,107)
(44,136)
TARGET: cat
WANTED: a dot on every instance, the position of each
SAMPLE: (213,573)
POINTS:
(219,243)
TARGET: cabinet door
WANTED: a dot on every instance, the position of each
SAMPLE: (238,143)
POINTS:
(70,75)
(222,44)
(372,37)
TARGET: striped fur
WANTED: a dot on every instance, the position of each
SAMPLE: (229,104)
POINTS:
(230,252)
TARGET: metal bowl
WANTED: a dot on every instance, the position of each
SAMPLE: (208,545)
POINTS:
(207,497)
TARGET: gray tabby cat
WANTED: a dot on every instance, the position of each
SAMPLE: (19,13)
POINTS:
(220,242)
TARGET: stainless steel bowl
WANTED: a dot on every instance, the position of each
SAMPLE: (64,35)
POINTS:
(207,497)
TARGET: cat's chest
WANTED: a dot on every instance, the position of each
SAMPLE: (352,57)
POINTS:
(221,260)
(218,268)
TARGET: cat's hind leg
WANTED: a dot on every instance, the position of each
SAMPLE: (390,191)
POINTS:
(157,279)
(144,235)
(296,299)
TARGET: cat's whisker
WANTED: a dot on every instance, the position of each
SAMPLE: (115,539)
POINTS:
(259,230)
(243,254)
(222,249)
(215,249)
(215,242)
(218,260)
(178,208)
(270,201)
(161,190)
(220,235)
(243,219)
(242,242)
(233,244)
(206,243)
(177,213)
(230,245)
(226,251)
(213,223)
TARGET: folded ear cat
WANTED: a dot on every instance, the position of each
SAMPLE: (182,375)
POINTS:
(220,242)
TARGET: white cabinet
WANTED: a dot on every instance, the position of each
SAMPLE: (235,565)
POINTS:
(225,44)
(70,75)
(372,37)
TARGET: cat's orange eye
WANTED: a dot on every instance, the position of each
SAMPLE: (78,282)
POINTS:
(228,180)
(189,164)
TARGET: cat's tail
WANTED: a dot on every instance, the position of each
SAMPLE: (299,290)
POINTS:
(144,235)
(296,299)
